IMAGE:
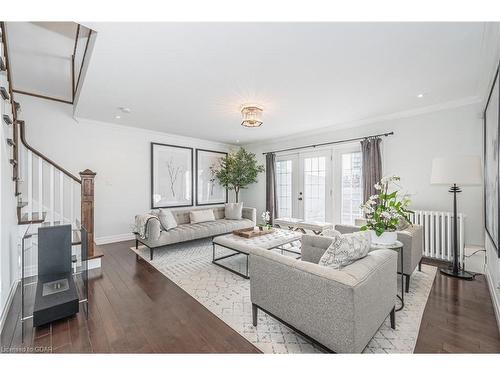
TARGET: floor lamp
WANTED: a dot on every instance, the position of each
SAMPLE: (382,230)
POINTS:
(456,172)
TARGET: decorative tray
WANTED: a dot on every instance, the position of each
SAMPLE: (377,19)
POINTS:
(252,232)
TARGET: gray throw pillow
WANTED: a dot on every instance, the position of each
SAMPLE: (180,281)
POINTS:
(234,211)
(167,219)
(346,249)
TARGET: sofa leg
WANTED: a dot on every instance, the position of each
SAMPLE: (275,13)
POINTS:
(407,283)
(393,318)
(255,310)
(420,265)
(151,254)
(136,243)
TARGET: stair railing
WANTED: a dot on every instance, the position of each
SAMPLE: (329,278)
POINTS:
(52,193)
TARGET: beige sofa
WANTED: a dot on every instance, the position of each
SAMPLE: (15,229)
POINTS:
(413,248)
(185,231)
(339,309)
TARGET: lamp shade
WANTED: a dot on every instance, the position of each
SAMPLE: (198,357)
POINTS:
(460,170)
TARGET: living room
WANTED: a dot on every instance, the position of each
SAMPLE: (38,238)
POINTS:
(250,187)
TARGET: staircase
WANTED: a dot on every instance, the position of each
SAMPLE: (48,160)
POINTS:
(46,193)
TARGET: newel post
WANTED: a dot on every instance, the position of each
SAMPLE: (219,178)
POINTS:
(87,203)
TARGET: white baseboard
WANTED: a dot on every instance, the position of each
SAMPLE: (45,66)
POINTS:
(494,296)
(115,238)
(6,308)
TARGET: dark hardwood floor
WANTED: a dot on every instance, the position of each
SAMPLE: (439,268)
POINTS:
(134,308)
(459,318)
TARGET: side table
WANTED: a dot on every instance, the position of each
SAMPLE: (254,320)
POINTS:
(398,247)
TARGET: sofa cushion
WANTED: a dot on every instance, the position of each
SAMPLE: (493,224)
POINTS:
(345,249)
(187,232)
(167,219)
(233,211)
(201,216)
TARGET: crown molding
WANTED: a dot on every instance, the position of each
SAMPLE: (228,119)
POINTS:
(371,120)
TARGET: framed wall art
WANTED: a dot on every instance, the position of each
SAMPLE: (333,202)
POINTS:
(208,189)
(171,176)
(491,163)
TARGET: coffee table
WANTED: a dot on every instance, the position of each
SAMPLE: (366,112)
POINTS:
(302,225)
(275,240)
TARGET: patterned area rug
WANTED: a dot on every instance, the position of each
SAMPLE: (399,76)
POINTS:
(227,295)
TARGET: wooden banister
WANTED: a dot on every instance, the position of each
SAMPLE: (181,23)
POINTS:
(87,202)
(86,180)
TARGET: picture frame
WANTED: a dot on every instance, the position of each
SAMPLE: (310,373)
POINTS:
(171,176)
(208,190)
(491,123)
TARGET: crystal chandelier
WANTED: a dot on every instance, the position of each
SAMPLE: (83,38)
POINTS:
(252,116)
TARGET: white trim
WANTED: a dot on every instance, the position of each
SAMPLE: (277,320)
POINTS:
(494,297)
(8,303)
(114,238)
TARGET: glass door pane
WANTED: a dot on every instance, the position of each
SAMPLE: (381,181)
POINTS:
(315,187)
(352,191)
(284,188)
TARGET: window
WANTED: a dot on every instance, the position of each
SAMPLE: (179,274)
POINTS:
(314,188)
(284,187)
(351,187)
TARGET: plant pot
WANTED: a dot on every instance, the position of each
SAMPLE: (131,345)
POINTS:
(386,238)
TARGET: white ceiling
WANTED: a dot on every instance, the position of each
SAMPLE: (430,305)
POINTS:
(191,78)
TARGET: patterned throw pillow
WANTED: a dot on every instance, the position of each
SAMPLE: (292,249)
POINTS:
(345,249)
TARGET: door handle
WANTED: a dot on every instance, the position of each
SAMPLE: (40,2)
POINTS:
(299,198)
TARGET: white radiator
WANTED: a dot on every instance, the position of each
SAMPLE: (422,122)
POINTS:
(438,233)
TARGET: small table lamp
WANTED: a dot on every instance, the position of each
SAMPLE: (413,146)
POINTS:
(455,171)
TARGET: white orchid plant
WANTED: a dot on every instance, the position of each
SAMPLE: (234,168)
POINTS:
(385,210)
(266,218)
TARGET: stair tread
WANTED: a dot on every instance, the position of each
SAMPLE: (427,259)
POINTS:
(36,217)
(7,119)
(4,93)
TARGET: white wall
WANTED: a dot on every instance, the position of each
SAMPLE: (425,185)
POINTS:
(409,153)
(9,239)
(119,155)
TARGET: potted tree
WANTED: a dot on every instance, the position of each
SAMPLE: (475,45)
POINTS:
(238,170)
(385,211)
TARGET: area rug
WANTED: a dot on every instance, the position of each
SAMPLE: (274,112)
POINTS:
(227,296)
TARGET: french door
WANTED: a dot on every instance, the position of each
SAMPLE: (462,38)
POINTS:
(304,186)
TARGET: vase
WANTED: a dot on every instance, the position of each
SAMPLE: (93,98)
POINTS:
(386,238)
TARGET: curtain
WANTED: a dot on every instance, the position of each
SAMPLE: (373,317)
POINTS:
(372,165)
(271,196)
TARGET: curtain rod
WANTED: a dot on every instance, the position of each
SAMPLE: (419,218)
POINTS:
(329,143)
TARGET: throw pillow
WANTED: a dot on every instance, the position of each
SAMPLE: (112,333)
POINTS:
(201,216)
(167,219)
(330,233)
(345,249)
(234,211)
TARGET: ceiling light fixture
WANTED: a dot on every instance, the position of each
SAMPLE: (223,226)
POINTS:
(420,96)
(252,115)
(118,117)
